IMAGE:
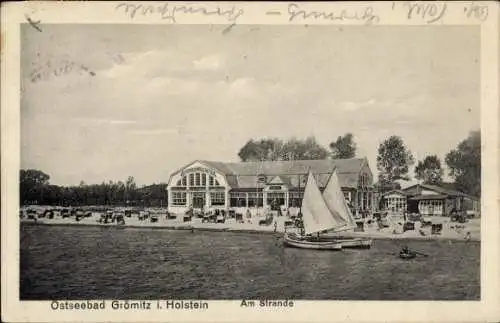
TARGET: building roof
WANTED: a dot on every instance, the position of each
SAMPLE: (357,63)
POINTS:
(441,190)
(428,197)
(401,192)
(292,173)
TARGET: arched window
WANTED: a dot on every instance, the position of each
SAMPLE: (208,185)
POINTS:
(212,181)
(184,180)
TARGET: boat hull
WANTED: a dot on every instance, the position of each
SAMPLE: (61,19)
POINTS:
(297,242)
(352,243)
(355,243)
(407,256)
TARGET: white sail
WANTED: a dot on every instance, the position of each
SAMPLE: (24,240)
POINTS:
(336,203)
(315,213)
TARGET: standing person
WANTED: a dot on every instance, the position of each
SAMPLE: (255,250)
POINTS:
(275,225)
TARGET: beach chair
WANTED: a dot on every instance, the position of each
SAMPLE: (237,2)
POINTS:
(220,218)
(437,228)
(360,226)
(49,214)
(408,226)
(424,223)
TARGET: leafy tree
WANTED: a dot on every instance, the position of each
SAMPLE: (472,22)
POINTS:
(429,170)
(33,177)
(31,185)
(277,149)
(343,147)
(464,163)
(393,161)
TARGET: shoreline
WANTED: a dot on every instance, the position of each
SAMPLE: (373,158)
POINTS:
(368,235)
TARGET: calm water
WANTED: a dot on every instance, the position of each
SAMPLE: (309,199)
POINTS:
(96,263)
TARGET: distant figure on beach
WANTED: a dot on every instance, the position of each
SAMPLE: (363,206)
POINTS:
(405,250)
(275,226)
(468,237)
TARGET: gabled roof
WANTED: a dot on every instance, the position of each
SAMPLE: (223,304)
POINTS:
(245,174)
(353,165)
(279,180)
(441,190)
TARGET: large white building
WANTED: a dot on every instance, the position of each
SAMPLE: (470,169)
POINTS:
(275,184)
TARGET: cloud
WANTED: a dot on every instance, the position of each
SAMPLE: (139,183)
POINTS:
(209,62)
(96,121)
(354,106)
(153,132)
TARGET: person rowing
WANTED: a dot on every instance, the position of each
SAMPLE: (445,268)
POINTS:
(409,254)
(405,250)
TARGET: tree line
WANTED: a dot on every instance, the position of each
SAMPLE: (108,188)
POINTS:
(35,188)
(394,160)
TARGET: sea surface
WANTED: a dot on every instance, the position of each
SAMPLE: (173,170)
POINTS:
(73,263)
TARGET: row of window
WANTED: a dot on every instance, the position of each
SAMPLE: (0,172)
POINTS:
(395,204)
(257,199)
(430,207)
(240,199)
(216,198)
(197,179)
(431,203)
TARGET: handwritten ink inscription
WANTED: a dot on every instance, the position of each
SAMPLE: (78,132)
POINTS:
(365,14)
(476,11)
(49,69)
(169,11)
(429,12)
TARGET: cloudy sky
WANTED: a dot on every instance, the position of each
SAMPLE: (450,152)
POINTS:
(143,100)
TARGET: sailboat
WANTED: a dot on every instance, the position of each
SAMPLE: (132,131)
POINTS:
(316,218)
(337,205)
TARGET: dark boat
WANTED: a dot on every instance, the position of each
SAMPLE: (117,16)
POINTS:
(407,255)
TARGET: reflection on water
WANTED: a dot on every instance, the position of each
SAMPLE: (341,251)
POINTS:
(110,263)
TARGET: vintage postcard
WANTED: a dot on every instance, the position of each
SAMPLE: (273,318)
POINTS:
(250,162)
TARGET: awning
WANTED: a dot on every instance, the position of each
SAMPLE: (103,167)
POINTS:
(428,197)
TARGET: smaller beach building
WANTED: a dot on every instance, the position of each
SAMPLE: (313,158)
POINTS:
(429,200)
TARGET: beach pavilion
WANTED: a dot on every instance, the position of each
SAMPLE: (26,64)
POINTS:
(429,200)
(252,186)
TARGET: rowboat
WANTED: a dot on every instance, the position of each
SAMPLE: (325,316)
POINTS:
(407,255)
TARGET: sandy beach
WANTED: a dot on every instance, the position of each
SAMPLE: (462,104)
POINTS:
(450,230)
